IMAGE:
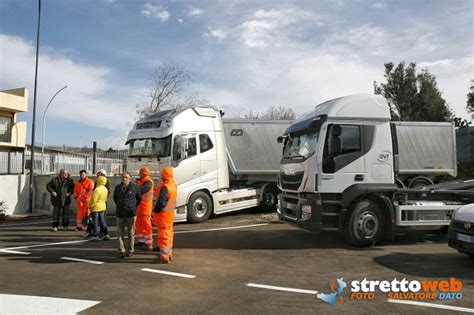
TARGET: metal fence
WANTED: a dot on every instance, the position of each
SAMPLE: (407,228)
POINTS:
(52,161)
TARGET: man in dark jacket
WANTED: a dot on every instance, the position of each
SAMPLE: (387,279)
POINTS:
(61,188)
(126,197)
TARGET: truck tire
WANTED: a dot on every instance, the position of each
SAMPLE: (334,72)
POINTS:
(365,224)
(199,207)
(269,198)
(421,182)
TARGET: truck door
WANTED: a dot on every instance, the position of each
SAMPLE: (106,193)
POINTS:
(208,157)
(186,163)
(343,162)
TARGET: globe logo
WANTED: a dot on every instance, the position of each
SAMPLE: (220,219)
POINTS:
(336,296)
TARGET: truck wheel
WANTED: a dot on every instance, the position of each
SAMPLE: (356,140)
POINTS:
(365,224)
(421,182)
(269,199)
(199,207)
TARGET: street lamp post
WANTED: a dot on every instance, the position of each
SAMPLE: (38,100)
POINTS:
(33,121)
(43,127)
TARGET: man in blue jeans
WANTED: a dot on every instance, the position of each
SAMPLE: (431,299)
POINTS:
(97,206)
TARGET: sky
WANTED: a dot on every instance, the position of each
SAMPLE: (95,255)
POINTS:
(244,55)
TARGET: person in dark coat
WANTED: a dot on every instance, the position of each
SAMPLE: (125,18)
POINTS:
(126,197)
(61,189)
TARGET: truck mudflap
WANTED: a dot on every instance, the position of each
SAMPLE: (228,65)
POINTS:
(302,211)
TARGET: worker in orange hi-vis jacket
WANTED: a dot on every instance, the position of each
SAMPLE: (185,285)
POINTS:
(163,214)
(144,231)
(82,192)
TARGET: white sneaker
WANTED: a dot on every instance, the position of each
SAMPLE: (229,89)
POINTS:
(54,229)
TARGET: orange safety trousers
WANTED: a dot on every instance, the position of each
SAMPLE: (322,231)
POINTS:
(164,221)
(81,212)
(143,230)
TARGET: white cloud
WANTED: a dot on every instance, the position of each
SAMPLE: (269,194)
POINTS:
(379,5)
(156,12)
(276,27)
(180,21)
(217,33)
(371,40)
(192,11)
(91,96)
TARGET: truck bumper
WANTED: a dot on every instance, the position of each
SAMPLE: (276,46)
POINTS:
(290,210)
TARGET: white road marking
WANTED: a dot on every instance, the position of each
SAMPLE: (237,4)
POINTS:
(182,275)
(220,229)
(94,262)
(14,252)
(445,307)
(114,238)
(26,304)
(271,287)
(43,245)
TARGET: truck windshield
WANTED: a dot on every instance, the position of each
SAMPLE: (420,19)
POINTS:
(150,147)
(300,146)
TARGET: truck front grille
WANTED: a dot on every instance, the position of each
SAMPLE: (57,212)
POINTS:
(292,182)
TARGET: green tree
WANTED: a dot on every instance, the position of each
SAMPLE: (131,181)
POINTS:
(470,102)
(412,96)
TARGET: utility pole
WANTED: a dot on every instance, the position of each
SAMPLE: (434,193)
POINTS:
(32,160)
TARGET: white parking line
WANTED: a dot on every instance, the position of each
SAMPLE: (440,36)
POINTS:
(220,229)
(42,245)
(94,262)
(169,273)
(114,238)
(14,252)
(271,287)
(445,307)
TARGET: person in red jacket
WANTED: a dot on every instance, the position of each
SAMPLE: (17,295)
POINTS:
(143,228)
(82,193)
(164,213)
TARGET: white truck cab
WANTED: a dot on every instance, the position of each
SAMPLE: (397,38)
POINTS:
(219,166)
(346,167)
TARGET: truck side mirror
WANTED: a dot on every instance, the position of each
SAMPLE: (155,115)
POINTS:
(280,139)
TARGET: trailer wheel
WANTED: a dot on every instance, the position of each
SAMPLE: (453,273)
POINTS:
(365,224)
(269,198)
(421,182)
(199,207)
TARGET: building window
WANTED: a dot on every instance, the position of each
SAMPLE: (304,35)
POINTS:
(5,129)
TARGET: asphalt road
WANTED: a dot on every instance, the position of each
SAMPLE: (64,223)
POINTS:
(232,264)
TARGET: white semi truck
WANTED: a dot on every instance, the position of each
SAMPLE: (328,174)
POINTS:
(346,167)
(219,165)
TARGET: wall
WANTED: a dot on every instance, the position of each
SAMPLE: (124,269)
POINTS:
(40,187)
(14,190)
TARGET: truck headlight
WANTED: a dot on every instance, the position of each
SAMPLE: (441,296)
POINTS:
(305,212)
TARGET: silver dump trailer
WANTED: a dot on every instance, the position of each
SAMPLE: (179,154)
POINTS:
(252,149)
(424,148)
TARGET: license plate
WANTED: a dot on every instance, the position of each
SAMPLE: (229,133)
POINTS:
(465,238)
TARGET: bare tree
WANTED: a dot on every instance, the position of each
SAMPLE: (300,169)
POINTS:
(168,90)
(272,113)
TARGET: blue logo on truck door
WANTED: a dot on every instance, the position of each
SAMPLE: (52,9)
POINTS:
(384,156)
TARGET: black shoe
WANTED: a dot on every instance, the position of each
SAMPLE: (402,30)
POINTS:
(122,255)
(129,254)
